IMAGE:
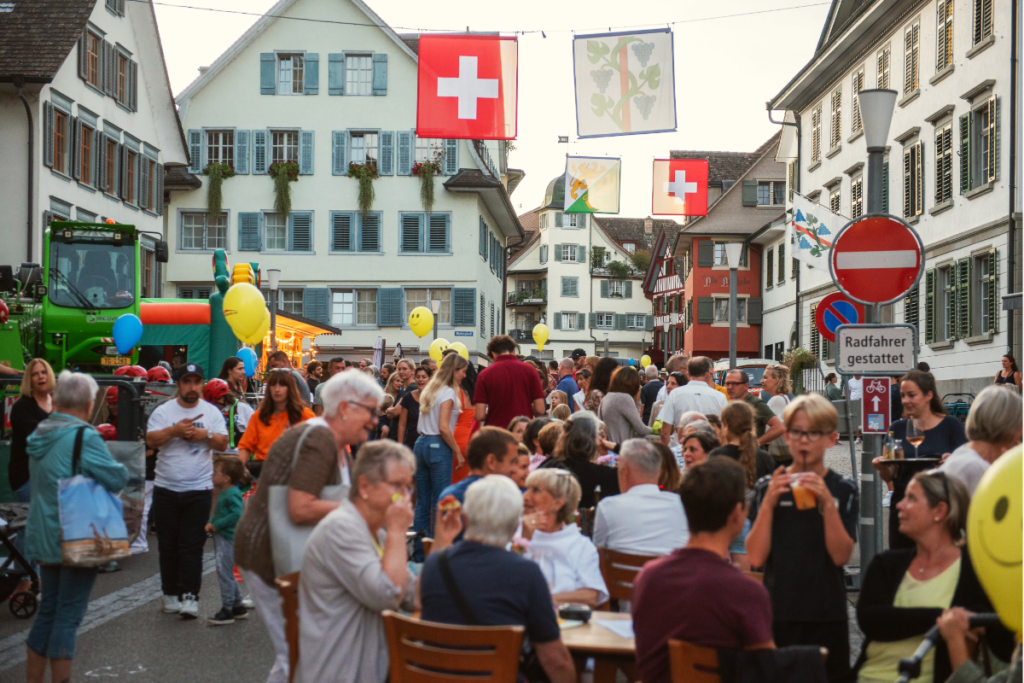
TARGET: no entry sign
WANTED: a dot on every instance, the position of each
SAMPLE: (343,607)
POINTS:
(834,310)
(876,259)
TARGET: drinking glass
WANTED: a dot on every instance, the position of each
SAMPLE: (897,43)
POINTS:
(914,435)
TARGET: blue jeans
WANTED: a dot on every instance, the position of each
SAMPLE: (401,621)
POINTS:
(739,544)
(230,594)
(433,475)
(65,598)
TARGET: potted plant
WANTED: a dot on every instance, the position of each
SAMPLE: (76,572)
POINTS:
(284,173)
(618,269)
(366,173)
(425,171)
(597,257)
(217,171)
(798,359)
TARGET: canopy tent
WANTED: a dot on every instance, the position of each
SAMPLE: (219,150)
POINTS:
(178,322)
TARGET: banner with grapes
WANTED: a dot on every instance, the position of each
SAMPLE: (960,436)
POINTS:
(625,83)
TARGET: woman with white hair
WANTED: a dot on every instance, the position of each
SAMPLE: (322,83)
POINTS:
(66,590)
(306,458)
(993,427)
(688,422)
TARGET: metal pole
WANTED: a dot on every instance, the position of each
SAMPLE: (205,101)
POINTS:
(435,328)
(273,321)
(732,318)
(606,346)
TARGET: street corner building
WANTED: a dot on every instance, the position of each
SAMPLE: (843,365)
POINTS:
(331,106)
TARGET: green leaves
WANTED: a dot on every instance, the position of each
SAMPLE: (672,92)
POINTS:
(652,74)
(601,104)
(596,50)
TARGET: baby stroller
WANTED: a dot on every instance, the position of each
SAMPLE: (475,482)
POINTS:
(958,405)
(23,604)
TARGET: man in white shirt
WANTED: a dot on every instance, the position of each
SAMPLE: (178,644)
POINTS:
(696,395)
(676,363)
(643,520)
(856,386)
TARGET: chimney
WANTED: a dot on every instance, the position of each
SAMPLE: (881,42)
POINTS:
(648,225)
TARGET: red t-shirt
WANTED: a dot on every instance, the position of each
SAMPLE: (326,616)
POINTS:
(509,387)
(696,596)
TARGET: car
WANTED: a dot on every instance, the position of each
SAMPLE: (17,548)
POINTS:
(754,367)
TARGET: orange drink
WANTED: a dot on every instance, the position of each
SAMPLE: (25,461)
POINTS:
(804,499)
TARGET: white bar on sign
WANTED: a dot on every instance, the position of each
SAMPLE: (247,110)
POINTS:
(869,260)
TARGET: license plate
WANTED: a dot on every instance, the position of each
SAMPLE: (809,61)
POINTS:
(116,360)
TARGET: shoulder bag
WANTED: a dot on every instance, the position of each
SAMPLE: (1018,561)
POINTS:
(778,448)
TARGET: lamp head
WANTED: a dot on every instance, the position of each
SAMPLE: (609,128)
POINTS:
(876,108)
(435,306)
(275,277)
(733,252)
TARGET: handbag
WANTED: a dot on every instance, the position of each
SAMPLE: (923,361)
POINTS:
(287,539)
(529,663)
(92,528)
(778,448)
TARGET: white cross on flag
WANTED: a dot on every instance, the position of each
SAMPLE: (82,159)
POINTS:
(680,187)
(467,87)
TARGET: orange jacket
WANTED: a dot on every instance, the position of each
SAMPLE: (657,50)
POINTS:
(258,437)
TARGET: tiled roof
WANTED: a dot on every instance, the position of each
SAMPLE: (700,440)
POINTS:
(727,165)
(531,227)
(412,40)
(177,177)
(632,230)
(36,36)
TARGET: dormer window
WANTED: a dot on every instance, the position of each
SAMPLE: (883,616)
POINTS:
(629,247)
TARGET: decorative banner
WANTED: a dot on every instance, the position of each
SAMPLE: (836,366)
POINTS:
(680,187)
(467,87)
(625,83)
(811,232)
(592,184)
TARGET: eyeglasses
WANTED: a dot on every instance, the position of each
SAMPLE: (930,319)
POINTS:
(370,409)
(735,384)
(945,483)
(400,486)
(797,434)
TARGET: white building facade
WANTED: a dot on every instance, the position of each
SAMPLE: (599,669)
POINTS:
(327,94)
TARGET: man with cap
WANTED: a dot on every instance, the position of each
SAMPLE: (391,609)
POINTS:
(187,430)
(579,361)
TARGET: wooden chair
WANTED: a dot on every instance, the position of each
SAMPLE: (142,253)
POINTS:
(288,587)
(619,571)
(695,664)
(422,652)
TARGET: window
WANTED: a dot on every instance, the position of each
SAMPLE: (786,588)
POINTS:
(857,197)
(289,75)
(857,84)
(722,260)
(430,233)
(129,190)
(782,262)
(835,200)
(769,268)
(92,64)
(605,320)
(722,310)
(276,232)
(771,192)
(290,301)
(943,34)
(60,141)
(570,286)
(883,60)
(423,297)
(616,288)
(628,247)
(912,58)
(353,307)
(983,307)
(816,134)
(944,313)
(359,74)
(364,148)
(148,261)
(569,253)
(986,120)
(85,155)
(944,163)
(837,118)
(634,322)
(284,145)
(572,220)
(569,321)
(193,292)
(543,221)
(982,20)
(913,182)
(199,232)
(122,79)
(110,170)
(220,147)
(429,149)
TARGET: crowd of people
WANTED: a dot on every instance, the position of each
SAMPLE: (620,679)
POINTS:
(525,471)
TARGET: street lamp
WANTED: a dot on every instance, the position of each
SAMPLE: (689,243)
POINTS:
(876,108)
(435,308)
(275,278)
(733,252)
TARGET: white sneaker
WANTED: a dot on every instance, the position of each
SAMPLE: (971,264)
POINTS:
(887,499)
(189,606)
(858,440)
(247,603)
(171,604)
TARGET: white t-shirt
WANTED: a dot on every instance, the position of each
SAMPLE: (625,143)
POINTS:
(642,521)
(966,465)
(568,561)
(662,394)
(778,404)
(183,465)
(429,423)
(856,389)
(696,395)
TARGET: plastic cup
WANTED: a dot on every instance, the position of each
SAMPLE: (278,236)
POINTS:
(803,498)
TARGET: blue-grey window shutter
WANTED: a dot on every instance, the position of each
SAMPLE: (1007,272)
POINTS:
(142,198)
(581,321)
(648,322)
(316,304)
(464,306)
(380,74)
(267,73)
(558,252)
(341,232)
(241,152)
(405,152)
(48,134)
(99,144)
(451,157)
(559,219)
(543,253)
(369,232)
(300,231)
(133,85)
(339,140)
(195,151)
(335,74)
(389,307)
(437,233)
(592,320)
(110,74)
(620,321)
(248,231)
(565,286)
(158,201)
(754,307)
(123,186)
(306,152)
(386,163)
(556,318)
(412,228)
(311,86)
(604,289)
(581,254)
(482,237)
(629,289)
(259,151)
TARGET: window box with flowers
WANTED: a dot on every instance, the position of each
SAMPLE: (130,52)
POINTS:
(283,173)
(425,171)
(217,171)
(366,173)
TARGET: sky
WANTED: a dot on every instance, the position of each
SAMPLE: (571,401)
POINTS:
(726,69)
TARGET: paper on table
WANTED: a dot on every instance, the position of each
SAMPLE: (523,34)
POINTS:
(565,624)
(623,628)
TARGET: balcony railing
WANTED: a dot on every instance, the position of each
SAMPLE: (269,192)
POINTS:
(521,335)
(481,149)
(606,272)
(527,298)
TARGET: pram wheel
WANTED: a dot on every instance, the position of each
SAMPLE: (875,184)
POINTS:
(23,604)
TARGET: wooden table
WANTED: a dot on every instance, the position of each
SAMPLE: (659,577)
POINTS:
(610,652)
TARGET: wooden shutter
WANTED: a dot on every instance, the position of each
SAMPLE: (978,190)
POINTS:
(248,231)
(966,121)
(782,262)
(405,152)
(815,337)
(591,321)
(300,231)
(311,74)
(48,134)
(464,306)
(559,219)
(133,85)
(386,152)
(629,289)
(912,306)
(339,160)
(929,306)
(604,289)
(993,139)
(557,320)
(911,69)
(481,230)
(74,152)
(109,70)
(885,187)
(558,252)
(158,201)
(380,74)
(451,157)
(83,56)
(97,164)
(993,287)
(316,304)
(962,303)
(411,224)
(336,75)
(123,189)
(341,232)
(369,232)
(306,152)
(437,233)
(543,253)
(754,308)
(267,81)
(749,193)
(648,322)
(581,321)
(918,148)
(908,163)
(705,310)
(619,320)
(195,151)
(944,34)
(389,307)
(566,288)
(259,152)
(241,152)
(705,253)
(142,196)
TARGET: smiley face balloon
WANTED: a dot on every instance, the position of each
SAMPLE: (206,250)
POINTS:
(437,349)
(421,321)
(994,535)
(460,349)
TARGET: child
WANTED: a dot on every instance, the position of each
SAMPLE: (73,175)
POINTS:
(227,472)
(521,467)
(561,412)
(383,421)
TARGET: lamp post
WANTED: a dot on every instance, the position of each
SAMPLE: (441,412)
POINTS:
(275,278)
(733,253)
(605,344)
(435,308)
(876,108)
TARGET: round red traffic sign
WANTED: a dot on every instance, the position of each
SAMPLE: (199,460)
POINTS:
(876,259)
(834,310)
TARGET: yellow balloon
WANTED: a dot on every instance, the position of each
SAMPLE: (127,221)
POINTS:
(994,535)
(244,309)
(260,332)
(421,321)
(460,348)
(437,347)
(645,360)
(540,335)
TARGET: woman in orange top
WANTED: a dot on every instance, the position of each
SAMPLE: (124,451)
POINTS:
(280,409)
(466,425)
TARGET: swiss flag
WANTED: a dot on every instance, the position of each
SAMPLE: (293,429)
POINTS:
(680,187)
(467,87)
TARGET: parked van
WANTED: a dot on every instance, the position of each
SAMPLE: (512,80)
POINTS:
(754,367)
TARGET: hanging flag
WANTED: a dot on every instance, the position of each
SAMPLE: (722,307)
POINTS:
(592,184)
(467,87)
(680,187)
(812,231)
(625,83)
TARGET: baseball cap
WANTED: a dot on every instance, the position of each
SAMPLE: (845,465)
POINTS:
(577,354)
(186,370)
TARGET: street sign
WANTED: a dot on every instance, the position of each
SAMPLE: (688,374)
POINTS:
(461,333)
(875,408)
(876,349)
(876,259)
(835,310)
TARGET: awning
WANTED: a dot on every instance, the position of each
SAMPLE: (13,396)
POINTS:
(304,326)
(1012,302)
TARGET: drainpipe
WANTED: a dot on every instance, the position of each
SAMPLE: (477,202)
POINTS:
(19,83)
(796,181)
(1010,238)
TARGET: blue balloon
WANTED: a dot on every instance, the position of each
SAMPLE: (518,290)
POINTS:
(632,362)
(248,357)
(127,332)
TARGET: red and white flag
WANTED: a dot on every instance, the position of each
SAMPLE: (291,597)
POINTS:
(680,187)
(467,87)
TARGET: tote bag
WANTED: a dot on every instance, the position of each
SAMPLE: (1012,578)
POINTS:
(778,448)
(287,539)
(92,525)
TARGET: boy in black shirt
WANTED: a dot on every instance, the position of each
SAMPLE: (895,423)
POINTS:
(804,541)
